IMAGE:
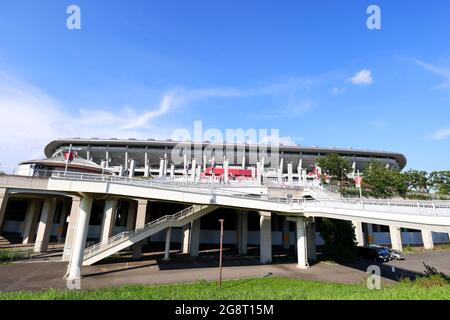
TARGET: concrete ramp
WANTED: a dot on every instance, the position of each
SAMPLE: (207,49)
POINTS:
(125,239)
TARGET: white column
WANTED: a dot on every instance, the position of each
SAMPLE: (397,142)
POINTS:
(172,171)
(3,204)
(396,237)
(427,239)
(126,161)
(108,220)
(161,167)
(45,226)
(311,241)
(226,166)
(359,235)
(243,161)
(194,165)
(31,220)
(185,238)
(265,237)
(79,243)
(167,249)
(301,244)
(285,222)
(146,165)
(185,165)
(280,175)
(290,179)
(258,172)
(132,167)
(71,229)
(140,222)
(195,238)
(242,231)
(165,165)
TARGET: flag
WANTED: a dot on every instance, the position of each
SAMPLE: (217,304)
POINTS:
(69,156)
(358,181)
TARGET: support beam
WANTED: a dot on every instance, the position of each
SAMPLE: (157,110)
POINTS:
(140,222)
(427,239)
(3,204)
(71,229)
(108,220)
(359,235)
(31,222)
(242,231)
(45,225)
(285,232)
(396,237)
(265,237)
(79,243)
(311,240)
(132,167)
(185,238)
(302,258)
(167,248)
(131,215)
(369,236)
(290,174)
(195,238)
(226,165)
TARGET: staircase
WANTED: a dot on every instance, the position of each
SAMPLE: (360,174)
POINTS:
(125,239)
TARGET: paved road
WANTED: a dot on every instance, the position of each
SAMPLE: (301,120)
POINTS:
(182,268)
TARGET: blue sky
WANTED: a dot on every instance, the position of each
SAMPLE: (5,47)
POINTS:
(309,68)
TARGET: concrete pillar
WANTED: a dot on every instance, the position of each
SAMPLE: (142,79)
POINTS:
(79,243)
(290,173)
(302,258)
(265,237)
(126,161)
(62,219)
(311,241)
(71,229)
(167,249)
(396,237)
(185,165)
(131,215)
(45,225)
(226,171)
(427,239)
(172,171)
(370,237)
(359,235)
(132,167)
(185,238)
(146,166)
(3,204)
(242,231)
(161,167)
(165,165)
(108,220)
(193,171)
(140,222)
(195,238)
(280,176)
(285,223)
(258,172)
(31,221)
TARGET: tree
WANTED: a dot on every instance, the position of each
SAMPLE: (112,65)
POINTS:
(339,237)
(440,181)
(334,166)
(417,180)
(383,181)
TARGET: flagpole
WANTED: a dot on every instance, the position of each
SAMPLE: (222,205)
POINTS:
(360,186)
(67,160)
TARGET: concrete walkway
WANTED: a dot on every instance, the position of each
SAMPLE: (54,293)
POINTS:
(39,276)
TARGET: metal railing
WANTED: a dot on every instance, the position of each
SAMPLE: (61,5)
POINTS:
(126,235)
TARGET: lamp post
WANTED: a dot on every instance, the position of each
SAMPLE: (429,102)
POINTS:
(220,253)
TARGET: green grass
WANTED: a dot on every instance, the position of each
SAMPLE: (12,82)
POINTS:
(437,247)
(261,288)
(8,255)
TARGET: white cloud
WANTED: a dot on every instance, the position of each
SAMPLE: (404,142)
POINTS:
(441,134)
(338,90)
(441,71)
(363,77)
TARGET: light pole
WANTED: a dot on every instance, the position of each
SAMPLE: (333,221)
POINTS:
(220,253)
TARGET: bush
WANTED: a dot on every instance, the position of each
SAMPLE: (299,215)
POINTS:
(339,237)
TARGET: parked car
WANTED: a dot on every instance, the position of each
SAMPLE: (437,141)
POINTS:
(394,254)
(373,253)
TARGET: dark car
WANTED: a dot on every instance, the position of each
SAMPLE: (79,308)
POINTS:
(394,254)
(373,253)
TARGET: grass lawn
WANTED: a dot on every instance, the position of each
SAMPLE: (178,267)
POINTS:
(8,255)
(261,288)
(437,247)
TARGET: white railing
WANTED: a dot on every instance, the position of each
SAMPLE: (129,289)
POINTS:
(126,235)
